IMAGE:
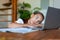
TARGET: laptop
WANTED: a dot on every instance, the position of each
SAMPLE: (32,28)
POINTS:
(52,18)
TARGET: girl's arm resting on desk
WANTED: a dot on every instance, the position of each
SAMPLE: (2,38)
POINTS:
(16,25)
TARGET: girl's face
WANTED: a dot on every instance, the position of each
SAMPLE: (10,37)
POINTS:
(35,19)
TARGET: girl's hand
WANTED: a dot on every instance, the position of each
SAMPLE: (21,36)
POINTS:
(12,25)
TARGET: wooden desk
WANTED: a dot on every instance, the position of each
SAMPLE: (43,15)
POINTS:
(38,35)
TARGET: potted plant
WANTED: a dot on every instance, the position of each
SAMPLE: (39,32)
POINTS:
(24,12)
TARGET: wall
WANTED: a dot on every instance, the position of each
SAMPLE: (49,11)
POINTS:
(34,3)
(44,6)
(54,3)
(51,3)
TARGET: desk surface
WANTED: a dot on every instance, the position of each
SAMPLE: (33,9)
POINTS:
(38,35)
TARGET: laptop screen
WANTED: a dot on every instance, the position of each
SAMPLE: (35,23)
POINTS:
(52,18)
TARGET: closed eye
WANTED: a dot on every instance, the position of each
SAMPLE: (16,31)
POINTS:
(37,17)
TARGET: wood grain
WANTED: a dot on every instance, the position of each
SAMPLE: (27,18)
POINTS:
(37,35)
(14,10)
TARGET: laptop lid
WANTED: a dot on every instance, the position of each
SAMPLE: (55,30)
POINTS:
(52,18)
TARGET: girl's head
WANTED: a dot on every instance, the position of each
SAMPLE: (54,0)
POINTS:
(36,17)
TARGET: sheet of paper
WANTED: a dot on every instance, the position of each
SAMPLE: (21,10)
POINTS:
(19,30)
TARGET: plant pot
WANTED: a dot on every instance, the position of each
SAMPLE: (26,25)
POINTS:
(25,21)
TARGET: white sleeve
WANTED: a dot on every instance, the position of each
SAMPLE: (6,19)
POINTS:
(20,21)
